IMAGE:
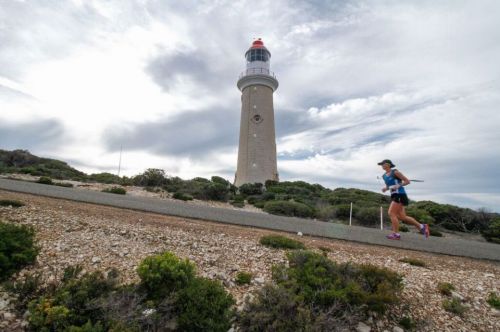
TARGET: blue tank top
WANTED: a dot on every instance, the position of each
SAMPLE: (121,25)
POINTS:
(391,180)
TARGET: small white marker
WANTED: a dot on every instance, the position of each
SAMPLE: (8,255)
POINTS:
(299,233)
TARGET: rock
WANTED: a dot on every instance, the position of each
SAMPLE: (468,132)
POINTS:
(259,280)
(397,329)
(8,316)
(362,327)
(457,296)
(299,233)
(96,260)
(3,304)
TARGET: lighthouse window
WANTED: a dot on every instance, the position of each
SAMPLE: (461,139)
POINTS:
(258,55)
(257,118)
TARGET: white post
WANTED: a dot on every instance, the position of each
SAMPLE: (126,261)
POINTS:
(381,218)
(350,216)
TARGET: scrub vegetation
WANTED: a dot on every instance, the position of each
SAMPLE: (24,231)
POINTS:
(287,198)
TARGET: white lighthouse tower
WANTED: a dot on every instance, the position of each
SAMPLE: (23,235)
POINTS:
(257,148)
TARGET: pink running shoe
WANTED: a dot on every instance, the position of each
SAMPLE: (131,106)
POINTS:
(425,230)
(394,236)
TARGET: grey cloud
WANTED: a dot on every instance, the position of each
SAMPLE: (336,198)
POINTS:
(194,134)
(32,135)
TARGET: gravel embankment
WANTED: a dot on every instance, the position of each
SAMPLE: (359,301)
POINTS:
(101,237)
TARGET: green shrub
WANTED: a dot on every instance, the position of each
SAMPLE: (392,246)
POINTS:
(413,261)
(248,189)
(64,184)
(407,323)
(152,177)
(243,278)
(434,232)
(220,180)
(278,241)
(492,233)
(237,204)
(454,306)
(277,309)
(115,190)
(17,248)
(287,208)
(105,177)
(163,274)
(445,288)
(325,283)
(315,294)
(26,289)
(325,212)
(45,180)
(368,216)
(182,196)
(74,304)
(403,228)
(420,214)
(10,202)
(216,191)
(204,305)
(494,300)
(343,211)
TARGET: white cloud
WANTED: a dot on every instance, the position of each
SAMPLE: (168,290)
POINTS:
(417,82)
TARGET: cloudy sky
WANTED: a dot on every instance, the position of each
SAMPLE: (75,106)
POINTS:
(360,81)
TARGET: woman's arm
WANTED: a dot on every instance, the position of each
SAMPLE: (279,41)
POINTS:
(404,179)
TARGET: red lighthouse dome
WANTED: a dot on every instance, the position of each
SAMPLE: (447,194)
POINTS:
(258,52)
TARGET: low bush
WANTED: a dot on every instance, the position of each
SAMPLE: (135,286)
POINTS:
(343,211)
(282,242)
(182,196)
(45,180)
(163,274)
(368,216)
(152,177)
(249,189)
(276,309)
(243,278)
(74,303)
(314,293)
(434,232)
(407,323)
(492,232)
(216,191)
(413,261)
(26,289)
(115,190)
(454,306)
(204,305)
(403,228)
(325,212)
(445,288)
(288,208)
(105,177)
(494,300)
(10,202)
(237,204)
(64,184)
(17,248)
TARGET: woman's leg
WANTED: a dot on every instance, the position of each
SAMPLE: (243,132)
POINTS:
(407,219)
(394,211)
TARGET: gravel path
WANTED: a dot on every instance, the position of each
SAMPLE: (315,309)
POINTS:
(449,246)
(100,237)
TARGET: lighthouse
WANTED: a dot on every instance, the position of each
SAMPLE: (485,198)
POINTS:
(257,146)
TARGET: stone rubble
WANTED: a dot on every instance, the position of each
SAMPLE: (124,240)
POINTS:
(99,237)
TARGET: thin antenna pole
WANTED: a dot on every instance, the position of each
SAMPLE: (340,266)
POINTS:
(120,162)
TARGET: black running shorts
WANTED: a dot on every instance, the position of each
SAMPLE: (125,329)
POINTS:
(400,198)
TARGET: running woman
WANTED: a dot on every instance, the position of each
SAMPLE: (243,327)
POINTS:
(395,182)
